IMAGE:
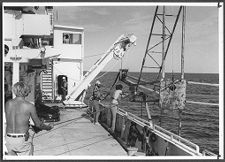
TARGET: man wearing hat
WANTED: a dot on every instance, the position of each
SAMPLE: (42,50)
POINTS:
(96,98)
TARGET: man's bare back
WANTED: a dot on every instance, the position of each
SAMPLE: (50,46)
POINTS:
(18,113)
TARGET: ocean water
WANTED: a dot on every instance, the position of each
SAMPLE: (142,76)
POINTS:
(200,123)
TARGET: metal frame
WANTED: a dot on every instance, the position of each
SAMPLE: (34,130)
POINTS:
(167,34)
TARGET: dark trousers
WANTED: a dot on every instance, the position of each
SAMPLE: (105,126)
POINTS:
(96,110)
(64,95)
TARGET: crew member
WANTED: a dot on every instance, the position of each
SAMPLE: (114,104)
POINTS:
(64,89)
(66,39)
(117,95)
(95,100)
(18,111)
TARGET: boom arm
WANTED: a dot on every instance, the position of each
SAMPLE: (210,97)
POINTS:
(117,51)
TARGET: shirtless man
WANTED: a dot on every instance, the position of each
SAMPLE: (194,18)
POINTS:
(18,112)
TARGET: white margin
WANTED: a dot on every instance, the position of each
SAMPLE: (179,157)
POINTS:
(4,149)
(221,92)
(221,81)
(108,4)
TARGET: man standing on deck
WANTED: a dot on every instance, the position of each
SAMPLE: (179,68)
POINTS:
(117,95)
(18,111)
(64,89)
(95,100)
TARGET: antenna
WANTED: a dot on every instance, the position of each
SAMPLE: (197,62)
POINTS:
(49,11)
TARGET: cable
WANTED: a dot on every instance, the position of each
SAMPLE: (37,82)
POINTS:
(106,72)
(52,147)
(94,55)
(172,64)
(58,127)
(121,63)
(83,146)
(70,121)
(183,42)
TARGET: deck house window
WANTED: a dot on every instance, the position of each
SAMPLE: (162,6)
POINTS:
(69,38)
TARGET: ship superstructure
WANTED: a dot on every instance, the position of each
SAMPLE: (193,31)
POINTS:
(41,53)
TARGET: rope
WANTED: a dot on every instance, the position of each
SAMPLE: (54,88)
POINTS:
(71,120)
(203,103)
(106,72)
(83,146)
(94,55)
(121,63)
(209,84)
(172,64)
(101,75)
(183,42)
(115,81)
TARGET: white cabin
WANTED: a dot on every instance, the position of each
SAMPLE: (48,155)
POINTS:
(69,40)
(38,52)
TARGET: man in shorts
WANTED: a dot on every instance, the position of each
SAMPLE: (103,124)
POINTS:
(95,101)
(18,111)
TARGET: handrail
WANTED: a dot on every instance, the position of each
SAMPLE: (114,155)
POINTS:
(208,84)
(167,135)
(171,137)
(133,116)
(207,152)
(203,103)
(178,140)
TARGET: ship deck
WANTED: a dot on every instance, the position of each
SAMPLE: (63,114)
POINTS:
(76,135)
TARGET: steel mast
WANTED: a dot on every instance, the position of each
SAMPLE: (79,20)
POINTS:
(153,53)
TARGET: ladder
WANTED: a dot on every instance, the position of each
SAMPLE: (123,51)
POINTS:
(47,83)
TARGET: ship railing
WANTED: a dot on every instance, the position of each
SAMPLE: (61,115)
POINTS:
(208,153)
(163,133)
(138,120)
(208,84)
(177,140)
(203,103)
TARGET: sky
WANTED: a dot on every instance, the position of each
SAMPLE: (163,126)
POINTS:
(104,24)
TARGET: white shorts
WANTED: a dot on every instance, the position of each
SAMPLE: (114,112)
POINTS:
(18,145)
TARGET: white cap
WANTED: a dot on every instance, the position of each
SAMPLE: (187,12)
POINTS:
(98,82)
(133,39)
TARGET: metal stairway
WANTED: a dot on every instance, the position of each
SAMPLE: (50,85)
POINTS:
(47,83)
